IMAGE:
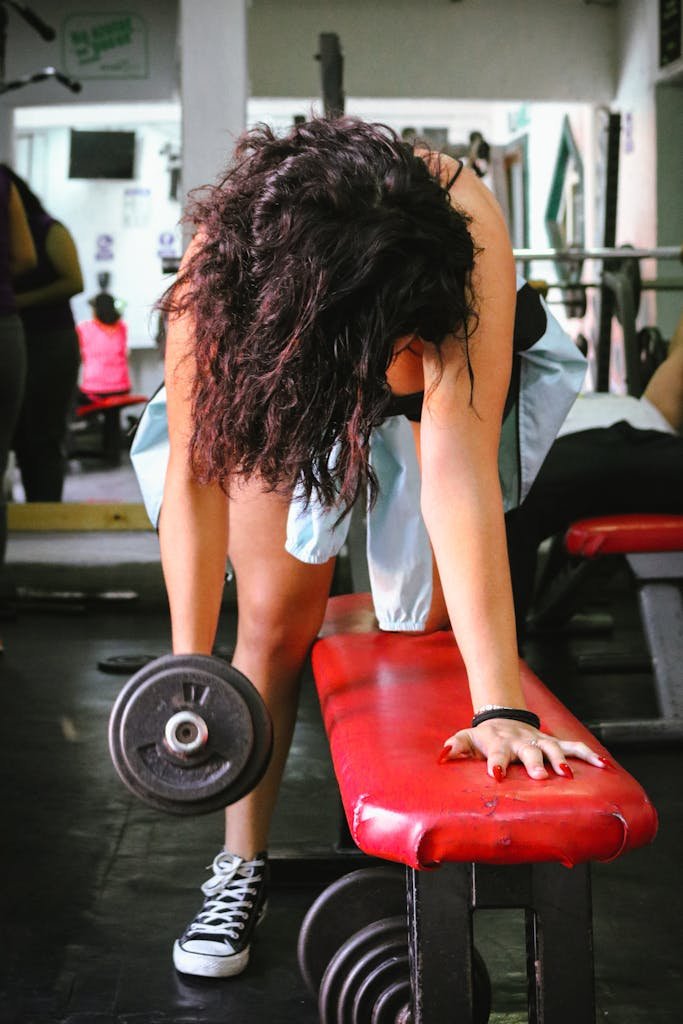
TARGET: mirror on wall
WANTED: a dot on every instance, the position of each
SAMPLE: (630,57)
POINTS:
(112,174)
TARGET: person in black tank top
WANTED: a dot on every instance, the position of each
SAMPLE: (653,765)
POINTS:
(17,254)
(52,351)
(529,326)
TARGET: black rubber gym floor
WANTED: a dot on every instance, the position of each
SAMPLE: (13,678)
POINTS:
(95,886)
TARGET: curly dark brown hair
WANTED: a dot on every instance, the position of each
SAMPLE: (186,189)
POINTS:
(320,249)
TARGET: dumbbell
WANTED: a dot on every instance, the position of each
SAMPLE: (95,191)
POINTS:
(189,734)
(353,951)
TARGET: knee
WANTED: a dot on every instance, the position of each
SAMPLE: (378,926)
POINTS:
(276,634)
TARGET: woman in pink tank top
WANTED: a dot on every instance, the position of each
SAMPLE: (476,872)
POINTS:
(104,349)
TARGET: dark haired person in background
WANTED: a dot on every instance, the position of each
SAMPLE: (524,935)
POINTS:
(479,154)
(104,363)
(17,255)
(614,455)
(52,351)
(348,314)
(104,350)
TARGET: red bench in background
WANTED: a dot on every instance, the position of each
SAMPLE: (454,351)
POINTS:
(388,701)
(109,408)
(652,546)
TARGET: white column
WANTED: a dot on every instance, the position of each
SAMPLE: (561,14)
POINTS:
(213,85)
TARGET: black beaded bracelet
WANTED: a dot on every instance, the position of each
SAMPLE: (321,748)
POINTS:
(514,714)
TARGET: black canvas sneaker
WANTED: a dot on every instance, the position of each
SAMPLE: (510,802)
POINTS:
(216,943)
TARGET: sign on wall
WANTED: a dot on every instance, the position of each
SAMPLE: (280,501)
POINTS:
(105,46)
(104,247)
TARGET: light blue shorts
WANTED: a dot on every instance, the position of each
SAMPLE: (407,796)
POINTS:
(399,554)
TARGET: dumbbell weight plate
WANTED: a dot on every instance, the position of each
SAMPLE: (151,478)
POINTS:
(124,664)
(368,979)
(393,1005)
(350,958)
(156,729)
(340,928)
(390,968)
(387,958)
(348,905)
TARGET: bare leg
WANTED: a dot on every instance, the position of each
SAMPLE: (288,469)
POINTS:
(281,604)
(665,388)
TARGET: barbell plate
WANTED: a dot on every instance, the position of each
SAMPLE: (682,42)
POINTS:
(124,664)
(143,723)
(262,730)
(389,968)
(481,988)
(227,766)
(348,954)
(345,907)
(393,1005)
(630,266)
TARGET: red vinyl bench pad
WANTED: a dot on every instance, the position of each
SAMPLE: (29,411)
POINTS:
(109,402)
(390,700)
(624,534)
(652,546)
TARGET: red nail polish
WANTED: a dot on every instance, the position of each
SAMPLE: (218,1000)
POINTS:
(445,754)
(607,763)
(566,770)
(498,772)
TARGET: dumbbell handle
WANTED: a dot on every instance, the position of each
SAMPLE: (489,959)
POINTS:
(185,733)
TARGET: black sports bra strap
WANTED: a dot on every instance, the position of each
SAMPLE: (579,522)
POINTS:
(455,177)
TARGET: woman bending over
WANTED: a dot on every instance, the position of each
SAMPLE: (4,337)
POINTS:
(348,316)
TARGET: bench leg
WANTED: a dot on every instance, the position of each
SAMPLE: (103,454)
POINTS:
(111,436)
(661,607)
(440,944)
(557,901)
(659,577)
(560,946)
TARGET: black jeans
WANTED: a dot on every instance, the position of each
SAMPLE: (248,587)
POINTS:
(606,471)
(39,439)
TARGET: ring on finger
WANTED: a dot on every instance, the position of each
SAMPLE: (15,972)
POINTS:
(531,743)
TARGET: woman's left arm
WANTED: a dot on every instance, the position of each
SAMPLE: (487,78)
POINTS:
(462,502)
(62,253)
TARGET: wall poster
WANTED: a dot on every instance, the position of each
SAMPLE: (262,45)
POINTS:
(105,46)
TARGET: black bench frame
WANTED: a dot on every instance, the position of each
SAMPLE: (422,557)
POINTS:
(559,938)
(112,435)
(658,578)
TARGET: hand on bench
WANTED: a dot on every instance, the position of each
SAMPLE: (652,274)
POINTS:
(500,742)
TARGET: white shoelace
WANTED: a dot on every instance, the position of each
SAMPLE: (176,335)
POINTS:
(230,896)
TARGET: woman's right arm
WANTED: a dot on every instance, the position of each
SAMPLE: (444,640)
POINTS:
(193,527)
(22,250)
